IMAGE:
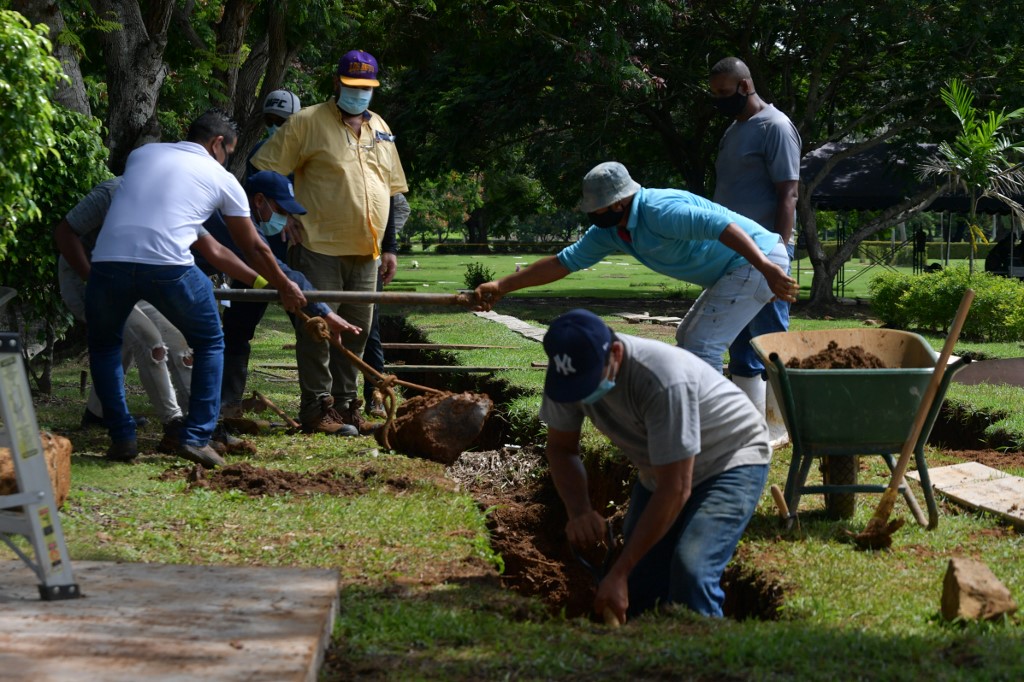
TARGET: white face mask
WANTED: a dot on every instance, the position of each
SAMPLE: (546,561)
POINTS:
(354,100)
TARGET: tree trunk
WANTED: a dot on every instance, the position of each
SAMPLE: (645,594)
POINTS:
(231,30)
(476,226)
(135,73)
(266,65)
(70,94)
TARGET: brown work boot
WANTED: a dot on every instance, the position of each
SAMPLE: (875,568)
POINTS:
(328,421)
(353,415)
(232,444)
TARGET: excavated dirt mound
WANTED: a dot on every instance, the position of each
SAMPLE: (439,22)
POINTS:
(527,521)
(438,426)
(834,357)
(257,481)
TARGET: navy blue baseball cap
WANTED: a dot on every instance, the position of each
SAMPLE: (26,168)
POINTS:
(277,187)
(577,344)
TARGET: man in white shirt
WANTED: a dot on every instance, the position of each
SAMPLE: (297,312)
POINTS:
(167,192)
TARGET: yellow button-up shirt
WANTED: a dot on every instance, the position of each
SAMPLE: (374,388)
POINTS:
(344,180)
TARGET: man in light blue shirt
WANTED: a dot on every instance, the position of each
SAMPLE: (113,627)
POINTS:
(740,264)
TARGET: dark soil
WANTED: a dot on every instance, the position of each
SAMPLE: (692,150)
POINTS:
(257,481)
(437,426)
(834,357)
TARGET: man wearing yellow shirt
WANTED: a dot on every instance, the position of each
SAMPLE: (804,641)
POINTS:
(347,172)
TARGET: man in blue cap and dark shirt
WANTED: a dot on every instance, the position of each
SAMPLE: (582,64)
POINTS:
(699,445)
(272,202)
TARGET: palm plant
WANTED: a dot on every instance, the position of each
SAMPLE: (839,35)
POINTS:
(980,159)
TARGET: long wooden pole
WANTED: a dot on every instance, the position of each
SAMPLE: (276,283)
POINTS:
(877,528)
(381,297)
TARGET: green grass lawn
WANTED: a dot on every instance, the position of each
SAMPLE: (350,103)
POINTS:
(419,598)
(619,276)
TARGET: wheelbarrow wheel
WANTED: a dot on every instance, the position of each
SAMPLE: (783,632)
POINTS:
(840,471)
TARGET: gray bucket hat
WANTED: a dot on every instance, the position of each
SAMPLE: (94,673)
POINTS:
(605,184)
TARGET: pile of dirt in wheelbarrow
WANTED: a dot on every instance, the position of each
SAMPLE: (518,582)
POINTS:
(834,357)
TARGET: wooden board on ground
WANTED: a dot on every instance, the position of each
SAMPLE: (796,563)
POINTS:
(980,487)
(515,324)
(165,622)
(645,318)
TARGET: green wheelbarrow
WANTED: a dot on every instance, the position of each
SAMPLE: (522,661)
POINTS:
(840,414)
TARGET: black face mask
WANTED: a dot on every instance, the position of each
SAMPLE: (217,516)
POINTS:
(607,219)
(732,105)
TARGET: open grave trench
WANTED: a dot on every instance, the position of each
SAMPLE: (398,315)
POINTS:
(507,476)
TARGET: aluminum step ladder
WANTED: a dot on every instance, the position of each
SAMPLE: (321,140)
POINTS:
(32,511)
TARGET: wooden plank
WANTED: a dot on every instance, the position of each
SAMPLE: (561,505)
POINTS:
(980,487)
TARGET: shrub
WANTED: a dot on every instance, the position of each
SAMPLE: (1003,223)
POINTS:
(477,274)
(929,301)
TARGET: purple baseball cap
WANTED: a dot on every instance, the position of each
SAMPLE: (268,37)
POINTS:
(358,68)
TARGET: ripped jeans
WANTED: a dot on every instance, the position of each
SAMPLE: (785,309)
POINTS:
(152,344)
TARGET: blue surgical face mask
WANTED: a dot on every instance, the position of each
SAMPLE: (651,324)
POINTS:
(271,130)
(353,100)
(274,225)
(599,392)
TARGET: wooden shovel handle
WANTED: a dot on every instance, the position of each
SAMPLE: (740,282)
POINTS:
(889,496)
(933,388)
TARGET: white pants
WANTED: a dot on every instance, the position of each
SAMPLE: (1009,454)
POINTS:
(153,344)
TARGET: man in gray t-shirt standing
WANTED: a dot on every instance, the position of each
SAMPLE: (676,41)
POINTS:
(756,175)
(700,448)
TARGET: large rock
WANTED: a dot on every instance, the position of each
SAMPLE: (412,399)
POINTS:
(57,452)
(971,591)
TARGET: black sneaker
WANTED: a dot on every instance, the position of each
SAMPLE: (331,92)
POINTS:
(204,455)
(172,435)
(123,451)
(91,420)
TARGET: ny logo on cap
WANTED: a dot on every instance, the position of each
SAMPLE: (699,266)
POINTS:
(563,364)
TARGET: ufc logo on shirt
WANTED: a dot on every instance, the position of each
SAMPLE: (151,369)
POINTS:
(563,364)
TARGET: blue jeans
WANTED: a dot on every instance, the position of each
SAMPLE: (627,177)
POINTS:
(725,308)
(240,321)
(773,317)
(184,295)
(686,565)
(373,353)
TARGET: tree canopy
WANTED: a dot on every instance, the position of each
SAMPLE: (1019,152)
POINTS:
(524,96)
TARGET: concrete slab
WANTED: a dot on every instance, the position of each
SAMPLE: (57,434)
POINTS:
(167,622)
(981,487)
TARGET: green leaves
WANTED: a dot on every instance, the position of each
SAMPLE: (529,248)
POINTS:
(981,159)
(28,74)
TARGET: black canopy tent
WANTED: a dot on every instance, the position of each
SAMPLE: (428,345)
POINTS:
(878,178)
(881,177)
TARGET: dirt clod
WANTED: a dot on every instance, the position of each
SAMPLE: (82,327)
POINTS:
(438,426)
(834,357)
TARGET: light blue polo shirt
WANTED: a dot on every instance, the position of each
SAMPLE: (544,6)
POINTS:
(674,233)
